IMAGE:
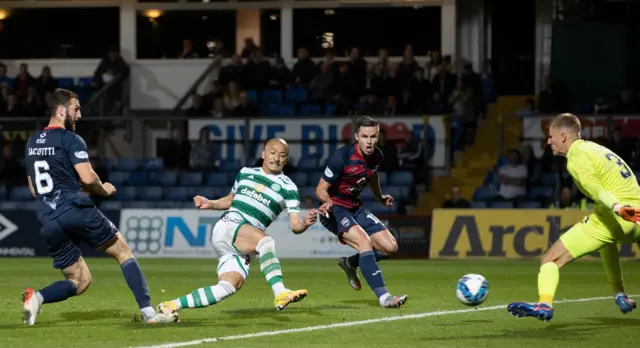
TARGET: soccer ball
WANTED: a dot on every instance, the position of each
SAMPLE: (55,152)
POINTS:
(472,289)
(168,310)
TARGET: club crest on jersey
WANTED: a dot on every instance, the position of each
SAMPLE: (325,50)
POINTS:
(259,188)
(276,187)
(345,222)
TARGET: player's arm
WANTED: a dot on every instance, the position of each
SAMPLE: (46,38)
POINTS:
(223,203)
(374,183)
(292,203)
(90,180)
(330,175)
(33,192)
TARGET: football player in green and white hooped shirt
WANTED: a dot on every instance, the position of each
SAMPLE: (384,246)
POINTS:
(256,199)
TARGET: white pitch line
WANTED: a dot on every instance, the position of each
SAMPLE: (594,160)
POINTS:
(353,323)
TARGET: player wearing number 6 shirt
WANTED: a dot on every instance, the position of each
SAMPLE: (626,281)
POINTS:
(350,170)
(58,168)
(605,178)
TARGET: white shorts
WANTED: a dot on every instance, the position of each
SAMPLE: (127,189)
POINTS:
(224,235)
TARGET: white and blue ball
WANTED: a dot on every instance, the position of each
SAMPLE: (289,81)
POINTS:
(472,289)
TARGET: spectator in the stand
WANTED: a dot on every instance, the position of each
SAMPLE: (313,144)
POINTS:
(280,75)
(178,151)
(407,66)
(322,84)
(46,82)
(412,153)
(529,108)
(532,163)
(4,96)
(22,82)
(565,200)
(232,72)
(551,98)
(246,108)
(443,82)
(634,161)
(357,68)
(346,83)
(11,172)
(258,71)
(382,65)
(513,178)
(249,47)
(389,152)
(220,110)
(329,59)
(475,83)
(232,96)
(420,88)
(304,70)
(14,108)
(433,66)
(462,100)
(372,106)
(32,104)
(393,107)
(197,107)
(4,79)
(435,105)
(217,49)
(203,151)
(564,178)
(619,145)
(373,81)
(111,68)
(456,200)
(187,50)
(392,84)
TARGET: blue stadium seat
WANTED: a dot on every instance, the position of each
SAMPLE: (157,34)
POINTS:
(177,193)
(484,193)
(232,166)
(163,178)
(310,110)
(139,205)
(85,81)
(501,205)
(379,209)
(153,164)
(479,205)
(190,179)
(126,193)
(20,193)
(367,196)
(296,95)
(314,178)
(395,192)
(530,205)
(269,109)
(118,178)
(329,109)
(309,191)
(309,164)
(66,83)
(491,179)
(549,179)
(138,179)
(384,178)
(272,96)
(537,192)
(150,193)
(127,164)
(217,179)
(210,192)
(171,205)
(107,163)
(253,95)
(286,110)
(111,205)
(403,178)
(299,178)
(503,160)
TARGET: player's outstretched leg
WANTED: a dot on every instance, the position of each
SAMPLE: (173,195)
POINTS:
(357,239)
(610,257)
(350,267)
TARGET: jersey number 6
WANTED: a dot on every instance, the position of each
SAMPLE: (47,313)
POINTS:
(625,172)
(44,182)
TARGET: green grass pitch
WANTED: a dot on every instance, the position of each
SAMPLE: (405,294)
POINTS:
(103,317)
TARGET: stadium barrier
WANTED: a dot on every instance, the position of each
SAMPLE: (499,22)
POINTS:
(508,234)
(20,234)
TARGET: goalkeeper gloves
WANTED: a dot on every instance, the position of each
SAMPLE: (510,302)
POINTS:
(628,213)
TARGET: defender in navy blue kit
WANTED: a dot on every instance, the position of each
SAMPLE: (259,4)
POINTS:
(58,168)
(350,170)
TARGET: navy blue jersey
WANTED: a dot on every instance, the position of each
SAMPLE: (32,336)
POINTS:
(50,157)
(349,172)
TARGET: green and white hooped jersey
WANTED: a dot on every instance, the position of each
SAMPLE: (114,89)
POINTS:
(260,197)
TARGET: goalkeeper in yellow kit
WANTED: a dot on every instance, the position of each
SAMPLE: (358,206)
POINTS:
(605,178)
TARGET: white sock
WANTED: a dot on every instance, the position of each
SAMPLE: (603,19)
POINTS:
(202,297)
(148,312)
(618,294)
(384,298)
(270,265)
(39,296)
(278,288)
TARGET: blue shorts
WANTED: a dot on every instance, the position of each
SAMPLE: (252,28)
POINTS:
(342,219)
(62,234)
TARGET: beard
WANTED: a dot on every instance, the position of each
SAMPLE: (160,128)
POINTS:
(69,123)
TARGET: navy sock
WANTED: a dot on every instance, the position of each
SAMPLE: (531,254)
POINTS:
(137,282)
(354,260)
(58,291)
(372,273)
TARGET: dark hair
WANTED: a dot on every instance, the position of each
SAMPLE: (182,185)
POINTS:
(61,97)
(366,121)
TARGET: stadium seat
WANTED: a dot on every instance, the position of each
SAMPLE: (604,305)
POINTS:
(171,205)
(85,81)
(212,192)
(127,164)
(402,178)
(286,110)
(163,178)
(384,179)
(111,205)
(190,179)
(150,193)
(367,196)
(138,179)
(310,110)
(269,109)
(501,205)
(538,192)
(484,194)
(530,205)
(66,83)
(233,166)
(126,193)
(177,193)
(549,179)
(491,180)
(153,164)
(272,96)
(314,178)
(503,160)
(395,192)
(217,179)
(309,191)
(106,163)
(296,95)
(118,178)
(299,178)
(253,95)
(479,205)
(139,205)
(329,109)
(20,193)
(309,164)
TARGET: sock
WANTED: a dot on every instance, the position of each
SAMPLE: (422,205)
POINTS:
(270,265)
(372,273)
(56,292)
(548,279)
(137,282)
(354,260)
(610,257)
(205,297)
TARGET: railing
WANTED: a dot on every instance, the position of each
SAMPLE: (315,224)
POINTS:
(215,63)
